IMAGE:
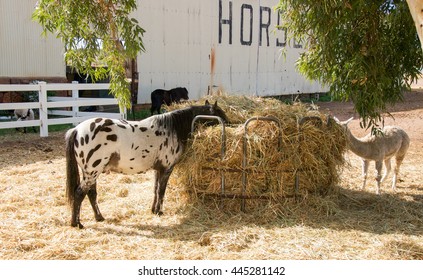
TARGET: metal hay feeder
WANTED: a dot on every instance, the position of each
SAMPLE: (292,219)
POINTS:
(244,179)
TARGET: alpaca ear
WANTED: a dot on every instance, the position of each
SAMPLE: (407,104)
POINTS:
(350,119)
(336,120)
(345,123)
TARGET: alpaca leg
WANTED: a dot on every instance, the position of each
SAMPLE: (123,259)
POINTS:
(379,166)
(398,160)
(92,195)
(365,167)
(387,169)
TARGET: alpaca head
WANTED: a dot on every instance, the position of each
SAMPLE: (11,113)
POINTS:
(344,124)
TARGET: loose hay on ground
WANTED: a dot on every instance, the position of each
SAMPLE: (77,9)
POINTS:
(34,217)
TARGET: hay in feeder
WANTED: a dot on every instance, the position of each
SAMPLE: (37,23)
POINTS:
(273,156)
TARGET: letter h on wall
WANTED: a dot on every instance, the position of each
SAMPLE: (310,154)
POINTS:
(225,21)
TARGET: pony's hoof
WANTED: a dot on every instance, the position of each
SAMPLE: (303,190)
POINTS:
(99,219)
(158,213)
(75,224)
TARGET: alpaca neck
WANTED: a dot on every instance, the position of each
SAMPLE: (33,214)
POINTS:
(357,146)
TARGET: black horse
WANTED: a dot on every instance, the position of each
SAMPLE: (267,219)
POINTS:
(161,96)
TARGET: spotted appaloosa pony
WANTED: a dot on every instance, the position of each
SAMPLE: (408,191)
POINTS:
(161,96)
(101,145)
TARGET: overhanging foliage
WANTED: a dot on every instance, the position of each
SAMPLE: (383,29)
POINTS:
(366,51)
(95,33)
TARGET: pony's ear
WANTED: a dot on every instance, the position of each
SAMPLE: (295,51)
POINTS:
(207,102)
(215,104)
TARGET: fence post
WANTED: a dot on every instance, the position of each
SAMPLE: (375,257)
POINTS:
(42,97)
(122,111)
(75,96)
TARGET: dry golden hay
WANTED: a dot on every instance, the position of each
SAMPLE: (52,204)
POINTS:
(273,156)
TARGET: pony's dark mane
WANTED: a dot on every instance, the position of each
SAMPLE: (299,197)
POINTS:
(178,122)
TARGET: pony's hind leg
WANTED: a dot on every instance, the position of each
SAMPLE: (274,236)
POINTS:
(76,207)
(92,195)
(87,187)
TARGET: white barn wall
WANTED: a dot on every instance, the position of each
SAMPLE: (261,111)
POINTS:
(23,51)
(179,38)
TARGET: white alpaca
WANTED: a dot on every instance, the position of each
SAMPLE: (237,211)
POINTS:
(24,115)
(391,142)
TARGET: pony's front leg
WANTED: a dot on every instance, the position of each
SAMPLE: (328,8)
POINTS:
(92,195)
(162,177)
(76,207)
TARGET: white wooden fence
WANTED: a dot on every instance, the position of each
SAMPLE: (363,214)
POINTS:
(45,105)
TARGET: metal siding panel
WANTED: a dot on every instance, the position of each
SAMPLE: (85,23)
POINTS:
(23,52)
(181,34)
(179,39)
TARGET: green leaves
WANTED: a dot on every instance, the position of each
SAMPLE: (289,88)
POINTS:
(98,36)
(366,51)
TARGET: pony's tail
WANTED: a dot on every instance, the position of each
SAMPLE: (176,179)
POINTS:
(72,173)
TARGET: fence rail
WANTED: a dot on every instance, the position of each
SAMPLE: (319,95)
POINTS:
(45,105)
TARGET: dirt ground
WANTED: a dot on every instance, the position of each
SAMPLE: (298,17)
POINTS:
(34,217)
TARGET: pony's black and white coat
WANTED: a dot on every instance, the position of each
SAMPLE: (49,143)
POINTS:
(101,145)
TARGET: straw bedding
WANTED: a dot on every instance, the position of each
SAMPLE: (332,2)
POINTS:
(352,224)
(273,156)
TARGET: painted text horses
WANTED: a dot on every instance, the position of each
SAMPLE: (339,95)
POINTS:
(101,145)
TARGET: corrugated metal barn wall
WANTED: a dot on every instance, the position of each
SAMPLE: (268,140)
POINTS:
(23,51)
(180,36)
(179,41)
